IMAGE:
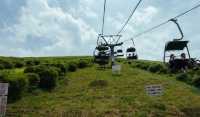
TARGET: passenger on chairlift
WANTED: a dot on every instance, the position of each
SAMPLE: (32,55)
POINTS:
(183,56)
(171,60)
(184,62)
(172,57)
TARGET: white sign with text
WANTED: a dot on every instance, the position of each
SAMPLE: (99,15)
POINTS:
(116,69)
(154,90)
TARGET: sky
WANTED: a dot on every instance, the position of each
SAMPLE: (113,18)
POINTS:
(70,27)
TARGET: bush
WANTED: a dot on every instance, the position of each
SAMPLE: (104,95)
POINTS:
(2,77)
(1,67)
(18,64)
(48,75)
(164,70)
(32,62)
(183,77)
(6,64)
(35,69)
(17,86)
(196,82)
(29,63)
(29,69)
(98,83)
(62,69)
(33,80)
(72,67)
(36,62)
(142,65)
(157,68)
(82,64)
(48,78)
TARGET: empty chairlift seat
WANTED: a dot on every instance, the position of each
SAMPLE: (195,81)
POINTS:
(131,53)
(120,53)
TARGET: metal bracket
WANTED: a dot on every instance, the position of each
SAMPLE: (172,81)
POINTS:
(179,28)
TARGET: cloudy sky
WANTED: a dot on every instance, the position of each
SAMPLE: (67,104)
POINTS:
(70,27)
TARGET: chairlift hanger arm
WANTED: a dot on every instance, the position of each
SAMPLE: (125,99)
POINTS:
(179,28)
(133,41)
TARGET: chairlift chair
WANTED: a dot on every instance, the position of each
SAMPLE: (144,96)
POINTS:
(101,55)
(177,45)
(131,52)
(177,63)
(120,53)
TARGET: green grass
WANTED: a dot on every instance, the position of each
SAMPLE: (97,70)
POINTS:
(124,96)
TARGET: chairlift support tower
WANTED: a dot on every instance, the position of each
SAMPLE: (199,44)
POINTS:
(110,41)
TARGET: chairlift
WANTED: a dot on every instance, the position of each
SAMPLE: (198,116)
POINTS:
(120,53)
(178,62)
(131,52)
(101,55)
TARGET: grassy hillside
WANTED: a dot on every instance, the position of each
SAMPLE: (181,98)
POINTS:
(91,92)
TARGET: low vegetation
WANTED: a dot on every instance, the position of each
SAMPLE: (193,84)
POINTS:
(26,75)
(60,86)
(98,83)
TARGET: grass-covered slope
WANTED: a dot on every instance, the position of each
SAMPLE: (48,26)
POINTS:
(91,92)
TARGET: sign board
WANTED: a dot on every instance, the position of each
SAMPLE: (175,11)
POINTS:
(3,98)
(116,69)
(154,90)
(3,103)
(3,89)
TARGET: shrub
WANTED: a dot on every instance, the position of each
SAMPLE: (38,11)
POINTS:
(18,64)
(2,77)
(142,65)
(155,68)
(164,69)
(35,69)
(48,78)
(48,75)
(36,62)
(33,80)
(72,67)
(17,86)
(29,69)
(183,77)
(98,83)
(82,64)
(29,63)
(62,69)
(6,64)
(196,82)
(59,71)
(1,67)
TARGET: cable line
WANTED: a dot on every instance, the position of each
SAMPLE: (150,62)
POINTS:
(131,15)
(161,24)
(104,13)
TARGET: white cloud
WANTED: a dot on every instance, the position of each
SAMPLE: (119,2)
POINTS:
(46,24)
(146,15)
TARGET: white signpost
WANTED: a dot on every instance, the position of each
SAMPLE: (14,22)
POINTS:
(116,69)
(154,90)
(3,98)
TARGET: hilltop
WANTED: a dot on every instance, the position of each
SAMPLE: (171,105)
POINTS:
(90,91)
